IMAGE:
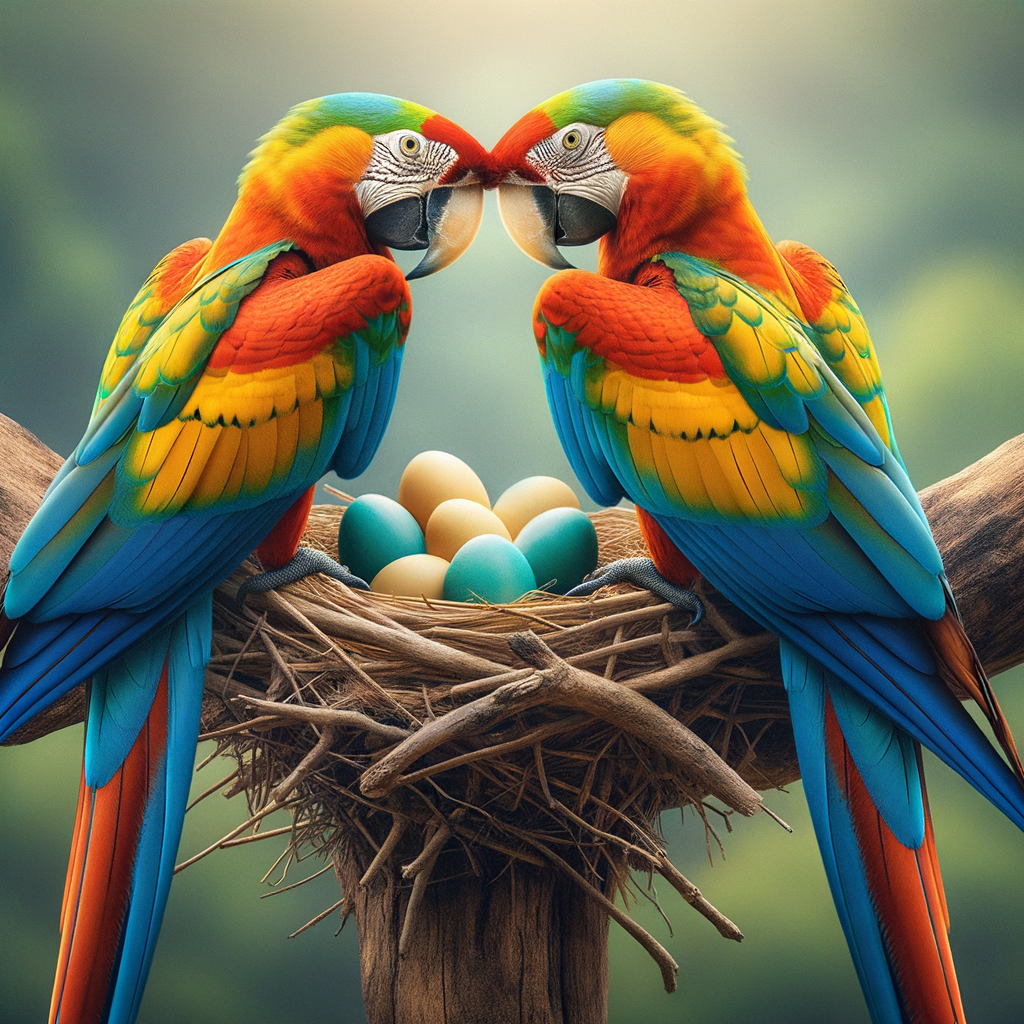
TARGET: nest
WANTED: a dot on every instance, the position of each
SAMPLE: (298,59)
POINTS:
(551,732)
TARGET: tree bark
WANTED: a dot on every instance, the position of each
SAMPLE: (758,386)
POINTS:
(977,517)
(527,945)
(26,468)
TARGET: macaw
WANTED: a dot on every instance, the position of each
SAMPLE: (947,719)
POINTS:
(729,388)
(244,369)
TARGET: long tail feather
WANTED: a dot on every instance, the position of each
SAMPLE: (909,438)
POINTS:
(889,896)
(104,851)
(126,837)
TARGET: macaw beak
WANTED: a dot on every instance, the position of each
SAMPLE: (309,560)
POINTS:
(444,221)
(539,220)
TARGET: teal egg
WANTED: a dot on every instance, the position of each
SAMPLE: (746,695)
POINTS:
(488,568)
(374,531)
(561,546)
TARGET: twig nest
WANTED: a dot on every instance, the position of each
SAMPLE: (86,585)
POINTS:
(550,731)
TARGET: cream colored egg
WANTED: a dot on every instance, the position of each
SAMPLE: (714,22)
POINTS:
(412,576)
(528,498)
(433,477)
(457,520)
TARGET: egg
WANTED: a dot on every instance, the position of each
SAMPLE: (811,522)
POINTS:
(488,568)
(457,520)
(561,547)
(433,477)
(528,498)
(412,576)
(374,531)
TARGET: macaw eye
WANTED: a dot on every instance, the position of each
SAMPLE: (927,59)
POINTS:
(571,139)
(410,145)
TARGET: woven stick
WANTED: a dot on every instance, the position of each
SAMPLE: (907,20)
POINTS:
(304,767)
(696,899)
(349,720)
(398,640)
(398,824)
(700,664)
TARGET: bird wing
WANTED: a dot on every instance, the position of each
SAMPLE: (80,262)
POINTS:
(706,403)
(838,330)
(701,398)
(261,378)
(164,287)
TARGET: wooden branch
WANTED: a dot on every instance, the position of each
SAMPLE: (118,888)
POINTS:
(26,468)
(563,685)
(977,517)
(322,748)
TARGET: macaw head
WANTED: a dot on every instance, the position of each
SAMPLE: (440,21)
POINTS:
(360,172)
(633,163)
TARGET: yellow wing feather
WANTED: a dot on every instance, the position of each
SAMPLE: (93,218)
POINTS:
(169,280)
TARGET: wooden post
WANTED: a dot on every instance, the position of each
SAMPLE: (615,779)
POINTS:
(512,945)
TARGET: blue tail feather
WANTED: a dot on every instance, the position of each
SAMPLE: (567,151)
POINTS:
(188,652)
(837,840)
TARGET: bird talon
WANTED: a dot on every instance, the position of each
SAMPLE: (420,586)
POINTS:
(641,572)
(306,562)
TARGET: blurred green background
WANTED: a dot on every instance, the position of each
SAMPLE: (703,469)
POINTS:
(888,134)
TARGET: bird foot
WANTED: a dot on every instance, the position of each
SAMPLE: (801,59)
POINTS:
(305,562)
(641,572)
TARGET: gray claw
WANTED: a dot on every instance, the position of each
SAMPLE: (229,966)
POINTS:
(641,572)
(306,562)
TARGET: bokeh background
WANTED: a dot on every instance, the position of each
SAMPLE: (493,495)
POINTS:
(888,134)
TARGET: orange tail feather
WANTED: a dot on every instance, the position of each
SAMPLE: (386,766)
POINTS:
(100,872)
(908,897)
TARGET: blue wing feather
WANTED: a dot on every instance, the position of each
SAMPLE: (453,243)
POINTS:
(373,399)
(587,463)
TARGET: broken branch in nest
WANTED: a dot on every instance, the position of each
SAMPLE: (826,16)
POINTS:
(236,831)
(323,745)
(637,716)
(398,824)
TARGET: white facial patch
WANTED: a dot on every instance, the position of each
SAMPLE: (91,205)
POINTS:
(403,164)
(576,160)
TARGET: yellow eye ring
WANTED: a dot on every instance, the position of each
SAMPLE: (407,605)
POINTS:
(571,139)
(410,145)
